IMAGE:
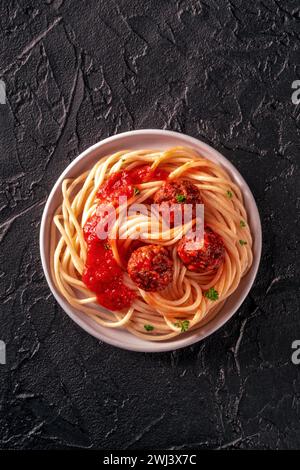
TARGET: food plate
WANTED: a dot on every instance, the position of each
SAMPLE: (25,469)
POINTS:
(151,139)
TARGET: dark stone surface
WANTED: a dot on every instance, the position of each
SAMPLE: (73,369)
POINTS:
(77,72)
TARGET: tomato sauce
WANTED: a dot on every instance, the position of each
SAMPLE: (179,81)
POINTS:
(122,183)
(118,184)
(102,274)
(144,174)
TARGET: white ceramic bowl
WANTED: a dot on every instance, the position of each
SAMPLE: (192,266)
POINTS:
(158,139)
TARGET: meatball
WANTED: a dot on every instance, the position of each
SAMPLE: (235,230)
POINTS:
(151,267)
(177,192)
(208,257)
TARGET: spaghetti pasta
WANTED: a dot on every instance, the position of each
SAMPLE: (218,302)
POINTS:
(192,298)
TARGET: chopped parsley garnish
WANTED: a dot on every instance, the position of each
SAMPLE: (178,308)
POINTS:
(107,246)
(180,198)
(183,325)
(242,223)
(212,294)
(149,327)
(136,191)
(242,242)
(229,194)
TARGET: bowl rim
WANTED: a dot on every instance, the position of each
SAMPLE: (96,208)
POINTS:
(179,341)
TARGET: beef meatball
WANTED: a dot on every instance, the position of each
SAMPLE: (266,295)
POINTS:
(177,192)
(208,257)
(151,267)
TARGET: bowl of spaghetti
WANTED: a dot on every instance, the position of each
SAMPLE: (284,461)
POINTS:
(119,247)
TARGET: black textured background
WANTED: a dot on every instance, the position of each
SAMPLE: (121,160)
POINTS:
(76,72)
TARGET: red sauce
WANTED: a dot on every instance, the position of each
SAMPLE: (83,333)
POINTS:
(144,174)
(102,274)
(118,184)
(122,183)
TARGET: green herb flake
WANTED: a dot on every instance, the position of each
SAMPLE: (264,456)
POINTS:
(229,194)
(149,327)
(180,198)
(107,246)
(183,325)
(136,191)
(242,242)
(212,294)
(242,223)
